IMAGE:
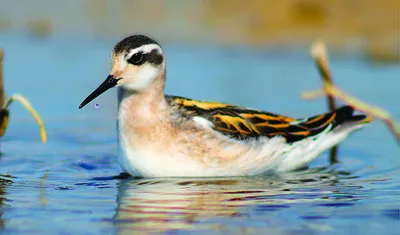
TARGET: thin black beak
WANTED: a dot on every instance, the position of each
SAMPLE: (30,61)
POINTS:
(107,84)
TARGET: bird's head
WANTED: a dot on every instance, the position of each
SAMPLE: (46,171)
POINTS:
(136,62)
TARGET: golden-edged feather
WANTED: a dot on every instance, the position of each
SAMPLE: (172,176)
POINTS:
(243,123)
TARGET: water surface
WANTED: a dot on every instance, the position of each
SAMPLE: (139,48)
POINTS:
(67,186)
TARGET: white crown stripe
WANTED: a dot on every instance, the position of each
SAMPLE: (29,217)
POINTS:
(144,49)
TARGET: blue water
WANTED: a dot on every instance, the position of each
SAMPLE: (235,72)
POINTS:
(67,186)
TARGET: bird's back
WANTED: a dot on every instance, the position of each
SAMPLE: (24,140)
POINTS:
(244,123)
(283,143)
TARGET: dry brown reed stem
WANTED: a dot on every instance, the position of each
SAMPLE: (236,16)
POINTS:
(318,52)
(1,79)
(29,107)
(326,76)
(3,112)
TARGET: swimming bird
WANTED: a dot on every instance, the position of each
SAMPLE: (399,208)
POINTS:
(171,136)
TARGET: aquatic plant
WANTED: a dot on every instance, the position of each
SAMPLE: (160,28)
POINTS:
(318,52)
(5,104)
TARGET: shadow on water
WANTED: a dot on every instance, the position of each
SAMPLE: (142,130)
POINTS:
(162,205)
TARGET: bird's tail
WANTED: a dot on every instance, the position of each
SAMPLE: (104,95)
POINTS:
(345,115)
(333,121)
(327,130)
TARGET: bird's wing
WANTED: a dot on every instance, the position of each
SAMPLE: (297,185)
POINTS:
(243,123)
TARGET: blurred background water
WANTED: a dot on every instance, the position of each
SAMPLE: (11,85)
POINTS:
(253,54)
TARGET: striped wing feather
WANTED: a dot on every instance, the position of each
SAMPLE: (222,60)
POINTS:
(243,123)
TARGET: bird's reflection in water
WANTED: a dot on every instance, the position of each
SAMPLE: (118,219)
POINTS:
(161,205)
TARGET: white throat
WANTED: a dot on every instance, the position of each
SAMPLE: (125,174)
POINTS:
(143,78)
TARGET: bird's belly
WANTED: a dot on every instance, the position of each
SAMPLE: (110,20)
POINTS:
(149,163)
(150,160)
(182,156)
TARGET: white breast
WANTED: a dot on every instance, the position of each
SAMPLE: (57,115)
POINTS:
(150,159)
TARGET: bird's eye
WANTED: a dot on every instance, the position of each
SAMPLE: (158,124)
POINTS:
(136,58)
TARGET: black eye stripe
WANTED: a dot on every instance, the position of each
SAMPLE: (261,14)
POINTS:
(140,58)
(154,57)
(137,58)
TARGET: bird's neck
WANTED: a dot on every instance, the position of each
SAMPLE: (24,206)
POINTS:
(143,106)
